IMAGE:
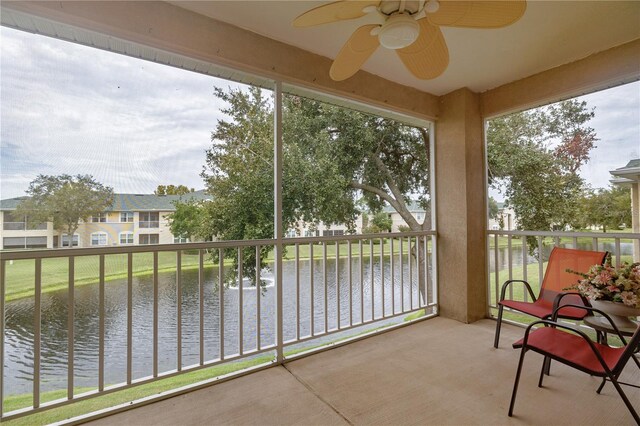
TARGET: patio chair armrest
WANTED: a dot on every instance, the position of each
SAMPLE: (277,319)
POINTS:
(554,317)
(560,296)
(507,283)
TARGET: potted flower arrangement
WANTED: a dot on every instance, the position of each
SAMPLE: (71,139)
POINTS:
(615,291)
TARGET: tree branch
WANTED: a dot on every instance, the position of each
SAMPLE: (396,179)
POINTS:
(399,196)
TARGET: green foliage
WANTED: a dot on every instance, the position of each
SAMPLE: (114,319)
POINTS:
(606,208)
(334,161)
(172,190)
(189,220)
(535,156)
(380,222)
(65,200)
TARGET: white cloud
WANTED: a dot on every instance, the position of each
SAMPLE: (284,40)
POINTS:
(132,124)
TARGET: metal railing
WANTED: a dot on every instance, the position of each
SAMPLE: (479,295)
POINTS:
(523,255)
(330,285)
(149,224)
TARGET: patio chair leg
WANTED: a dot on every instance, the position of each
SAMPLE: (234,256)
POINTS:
(517,381)
(498,325)
(547,365)
(542,371)
(625,399)
(604,381)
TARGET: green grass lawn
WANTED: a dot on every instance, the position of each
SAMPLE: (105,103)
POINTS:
(20,275)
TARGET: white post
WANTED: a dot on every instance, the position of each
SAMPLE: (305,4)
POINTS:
(279,232)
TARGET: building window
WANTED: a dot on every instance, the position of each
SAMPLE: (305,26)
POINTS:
(291,233)
(24,242)
(149,239)
(149,220)
(102,217)
(180,239)
(419,216)
(99,239)
(75,241)
(126,216)
(126,238)
(13,222)
(308,233)
(332,233)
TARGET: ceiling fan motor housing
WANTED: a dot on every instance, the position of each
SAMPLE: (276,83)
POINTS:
(400,30)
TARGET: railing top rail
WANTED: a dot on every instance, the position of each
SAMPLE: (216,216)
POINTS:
(622,235)
(307,240)
(96,251)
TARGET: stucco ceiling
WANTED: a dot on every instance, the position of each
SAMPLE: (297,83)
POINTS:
(551,33)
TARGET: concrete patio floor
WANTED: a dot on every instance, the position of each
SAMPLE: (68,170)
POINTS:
(437,371)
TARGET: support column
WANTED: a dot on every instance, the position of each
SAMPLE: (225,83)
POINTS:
(461,207)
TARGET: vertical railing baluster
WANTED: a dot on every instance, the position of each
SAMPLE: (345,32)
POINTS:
(540,261)
(37,324)
(312,296)
(510,262)
(338,310)
(575,242)
(594,244)
(129,318)
(618,260)
(240,303)
(297,260)
(382,275)
(179,309)
(2,319)
(556,241)
(392,272)
(101,315)
(324,281)
(361,265)
(425,261)
(221,299)
(410,264)
(496,267)
(201,302)
(373,310)
(525,265)
(155,314)
(401,249)
(70,328)
(350,283)
(258,300)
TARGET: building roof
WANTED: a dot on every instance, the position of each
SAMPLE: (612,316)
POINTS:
(132,202)
(627,174)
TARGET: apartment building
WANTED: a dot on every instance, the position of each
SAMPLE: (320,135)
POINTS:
(133,219)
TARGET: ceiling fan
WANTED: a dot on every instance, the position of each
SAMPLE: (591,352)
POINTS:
(410,27)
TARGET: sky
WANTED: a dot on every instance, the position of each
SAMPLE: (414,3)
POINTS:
(134,124)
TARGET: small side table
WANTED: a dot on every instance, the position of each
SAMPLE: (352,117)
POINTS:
(602,327)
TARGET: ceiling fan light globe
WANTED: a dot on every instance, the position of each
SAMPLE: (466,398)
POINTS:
(398,32)
(432,6)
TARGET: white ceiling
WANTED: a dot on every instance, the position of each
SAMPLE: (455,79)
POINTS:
(551,33)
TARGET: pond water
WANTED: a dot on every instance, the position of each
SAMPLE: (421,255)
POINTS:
(19,320)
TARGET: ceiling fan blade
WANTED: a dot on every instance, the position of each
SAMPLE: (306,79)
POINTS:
(354,53)
(332,12)
(477,14)
(428,56)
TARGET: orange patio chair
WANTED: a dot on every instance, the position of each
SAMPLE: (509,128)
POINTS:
(575,349)
(556,278)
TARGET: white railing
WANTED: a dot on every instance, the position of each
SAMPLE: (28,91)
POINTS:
(330,285)
(509,252)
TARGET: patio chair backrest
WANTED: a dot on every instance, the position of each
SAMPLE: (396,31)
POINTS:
(556,277)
